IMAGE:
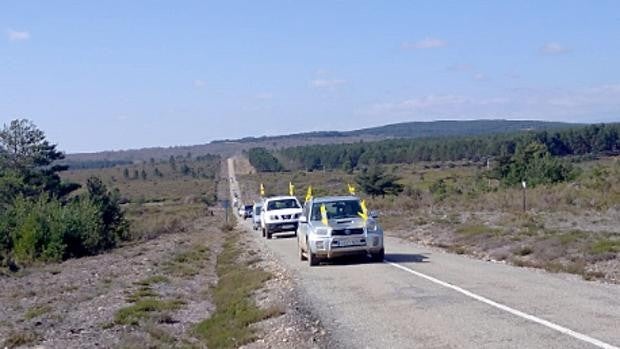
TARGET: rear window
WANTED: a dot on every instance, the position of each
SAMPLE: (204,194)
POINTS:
(337,209)
(281,204)
(258,209)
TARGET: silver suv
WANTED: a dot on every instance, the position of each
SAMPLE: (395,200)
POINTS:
(345,233)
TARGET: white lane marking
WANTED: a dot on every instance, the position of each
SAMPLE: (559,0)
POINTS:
(516,312)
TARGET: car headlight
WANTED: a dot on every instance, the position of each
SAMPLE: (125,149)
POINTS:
(296,215)
(372,226)
(273,218)
(322,231)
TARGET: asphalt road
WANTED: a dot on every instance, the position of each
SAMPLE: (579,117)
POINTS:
(422,298)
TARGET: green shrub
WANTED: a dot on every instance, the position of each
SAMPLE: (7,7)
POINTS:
(47,229)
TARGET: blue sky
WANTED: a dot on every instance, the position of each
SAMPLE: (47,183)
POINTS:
(100,75)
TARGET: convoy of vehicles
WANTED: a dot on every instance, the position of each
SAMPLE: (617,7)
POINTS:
(325,227)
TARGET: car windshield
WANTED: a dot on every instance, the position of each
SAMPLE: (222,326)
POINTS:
(248,207)
(337,209)
(284,203)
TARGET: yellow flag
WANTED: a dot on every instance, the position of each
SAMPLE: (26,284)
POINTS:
(351,189)
(364,213)
(262,190)
(324,215)
(291,189)
(309,193)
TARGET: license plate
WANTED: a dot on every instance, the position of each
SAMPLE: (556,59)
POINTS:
(289,226)
(345,243)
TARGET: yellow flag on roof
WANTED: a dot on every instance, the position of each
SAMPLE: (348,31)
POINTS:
(351,189)
(364,213)
(324,215)
(291,189)
(262,190)
(309,193)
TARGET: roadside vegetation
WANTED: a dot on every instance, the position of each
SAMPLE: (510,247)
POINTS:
(570,223)
(236,310)
(40,217)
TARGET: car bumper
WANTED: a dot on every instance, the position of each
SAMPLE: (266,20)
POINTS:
(281,226)
(331,247)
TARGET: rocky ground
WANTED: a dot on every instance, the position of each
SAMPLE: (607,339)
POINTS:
(586,244)
(76,303)
(297,327)
(73,304)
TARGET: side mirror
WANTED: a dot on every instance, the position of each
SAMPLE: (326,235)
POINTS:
(374,214)
(303,219)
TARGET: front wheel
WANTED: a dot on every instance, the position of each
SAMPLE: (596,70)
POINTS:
(263,232)
(378,257)
(313,260)
(301,253)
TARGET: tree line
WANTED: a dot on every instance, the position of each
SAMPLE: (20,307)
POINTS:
(264,161)
(532,156)
(41,217)
(592,139)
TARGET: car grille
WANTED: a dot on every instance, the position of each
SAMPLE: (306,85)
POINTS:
(286,216)
(345,232)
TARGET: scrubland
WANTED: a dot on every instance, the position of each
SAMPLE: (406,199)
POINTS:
(567,227)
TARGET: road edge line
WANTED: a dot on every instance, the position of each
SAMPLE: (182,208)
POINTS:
(508,309)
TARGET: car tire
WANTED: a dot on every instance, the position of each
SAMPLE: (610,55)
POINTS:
(379,256)
(313,260)
(268,235)
(301,253)
(264,235)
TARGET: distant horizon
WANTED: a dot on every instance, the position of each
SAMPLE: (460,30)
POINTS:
(320,131)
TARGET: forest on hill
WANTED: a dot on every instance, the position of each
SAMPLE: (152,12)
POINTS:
(514,153)
(229,147)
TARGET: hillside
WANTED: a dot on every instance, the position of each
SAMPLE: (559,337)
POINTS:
(442,128)
(229,147)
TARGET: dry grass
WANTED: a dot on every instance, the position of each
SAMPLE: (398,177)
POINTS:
(171,186)
(149,221)
(37,311)
(20,338)
(569,227)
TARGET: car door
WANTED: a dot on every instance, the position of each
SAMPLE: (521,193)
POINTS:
(302,228)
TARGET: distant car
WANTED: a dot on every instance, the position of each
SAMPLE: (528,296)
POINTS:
(256,215)
(248,211)
(279,214)
(345,234)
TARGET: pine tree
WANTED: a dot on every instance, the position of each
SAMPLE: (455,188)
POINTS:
(173,163)
(374,181)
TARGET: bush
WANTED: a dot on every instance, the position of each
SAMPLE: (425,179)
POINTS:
(47,229)
(533,162)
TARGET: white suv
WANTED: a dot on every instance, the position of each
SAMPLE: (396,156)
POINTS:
(280,214)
